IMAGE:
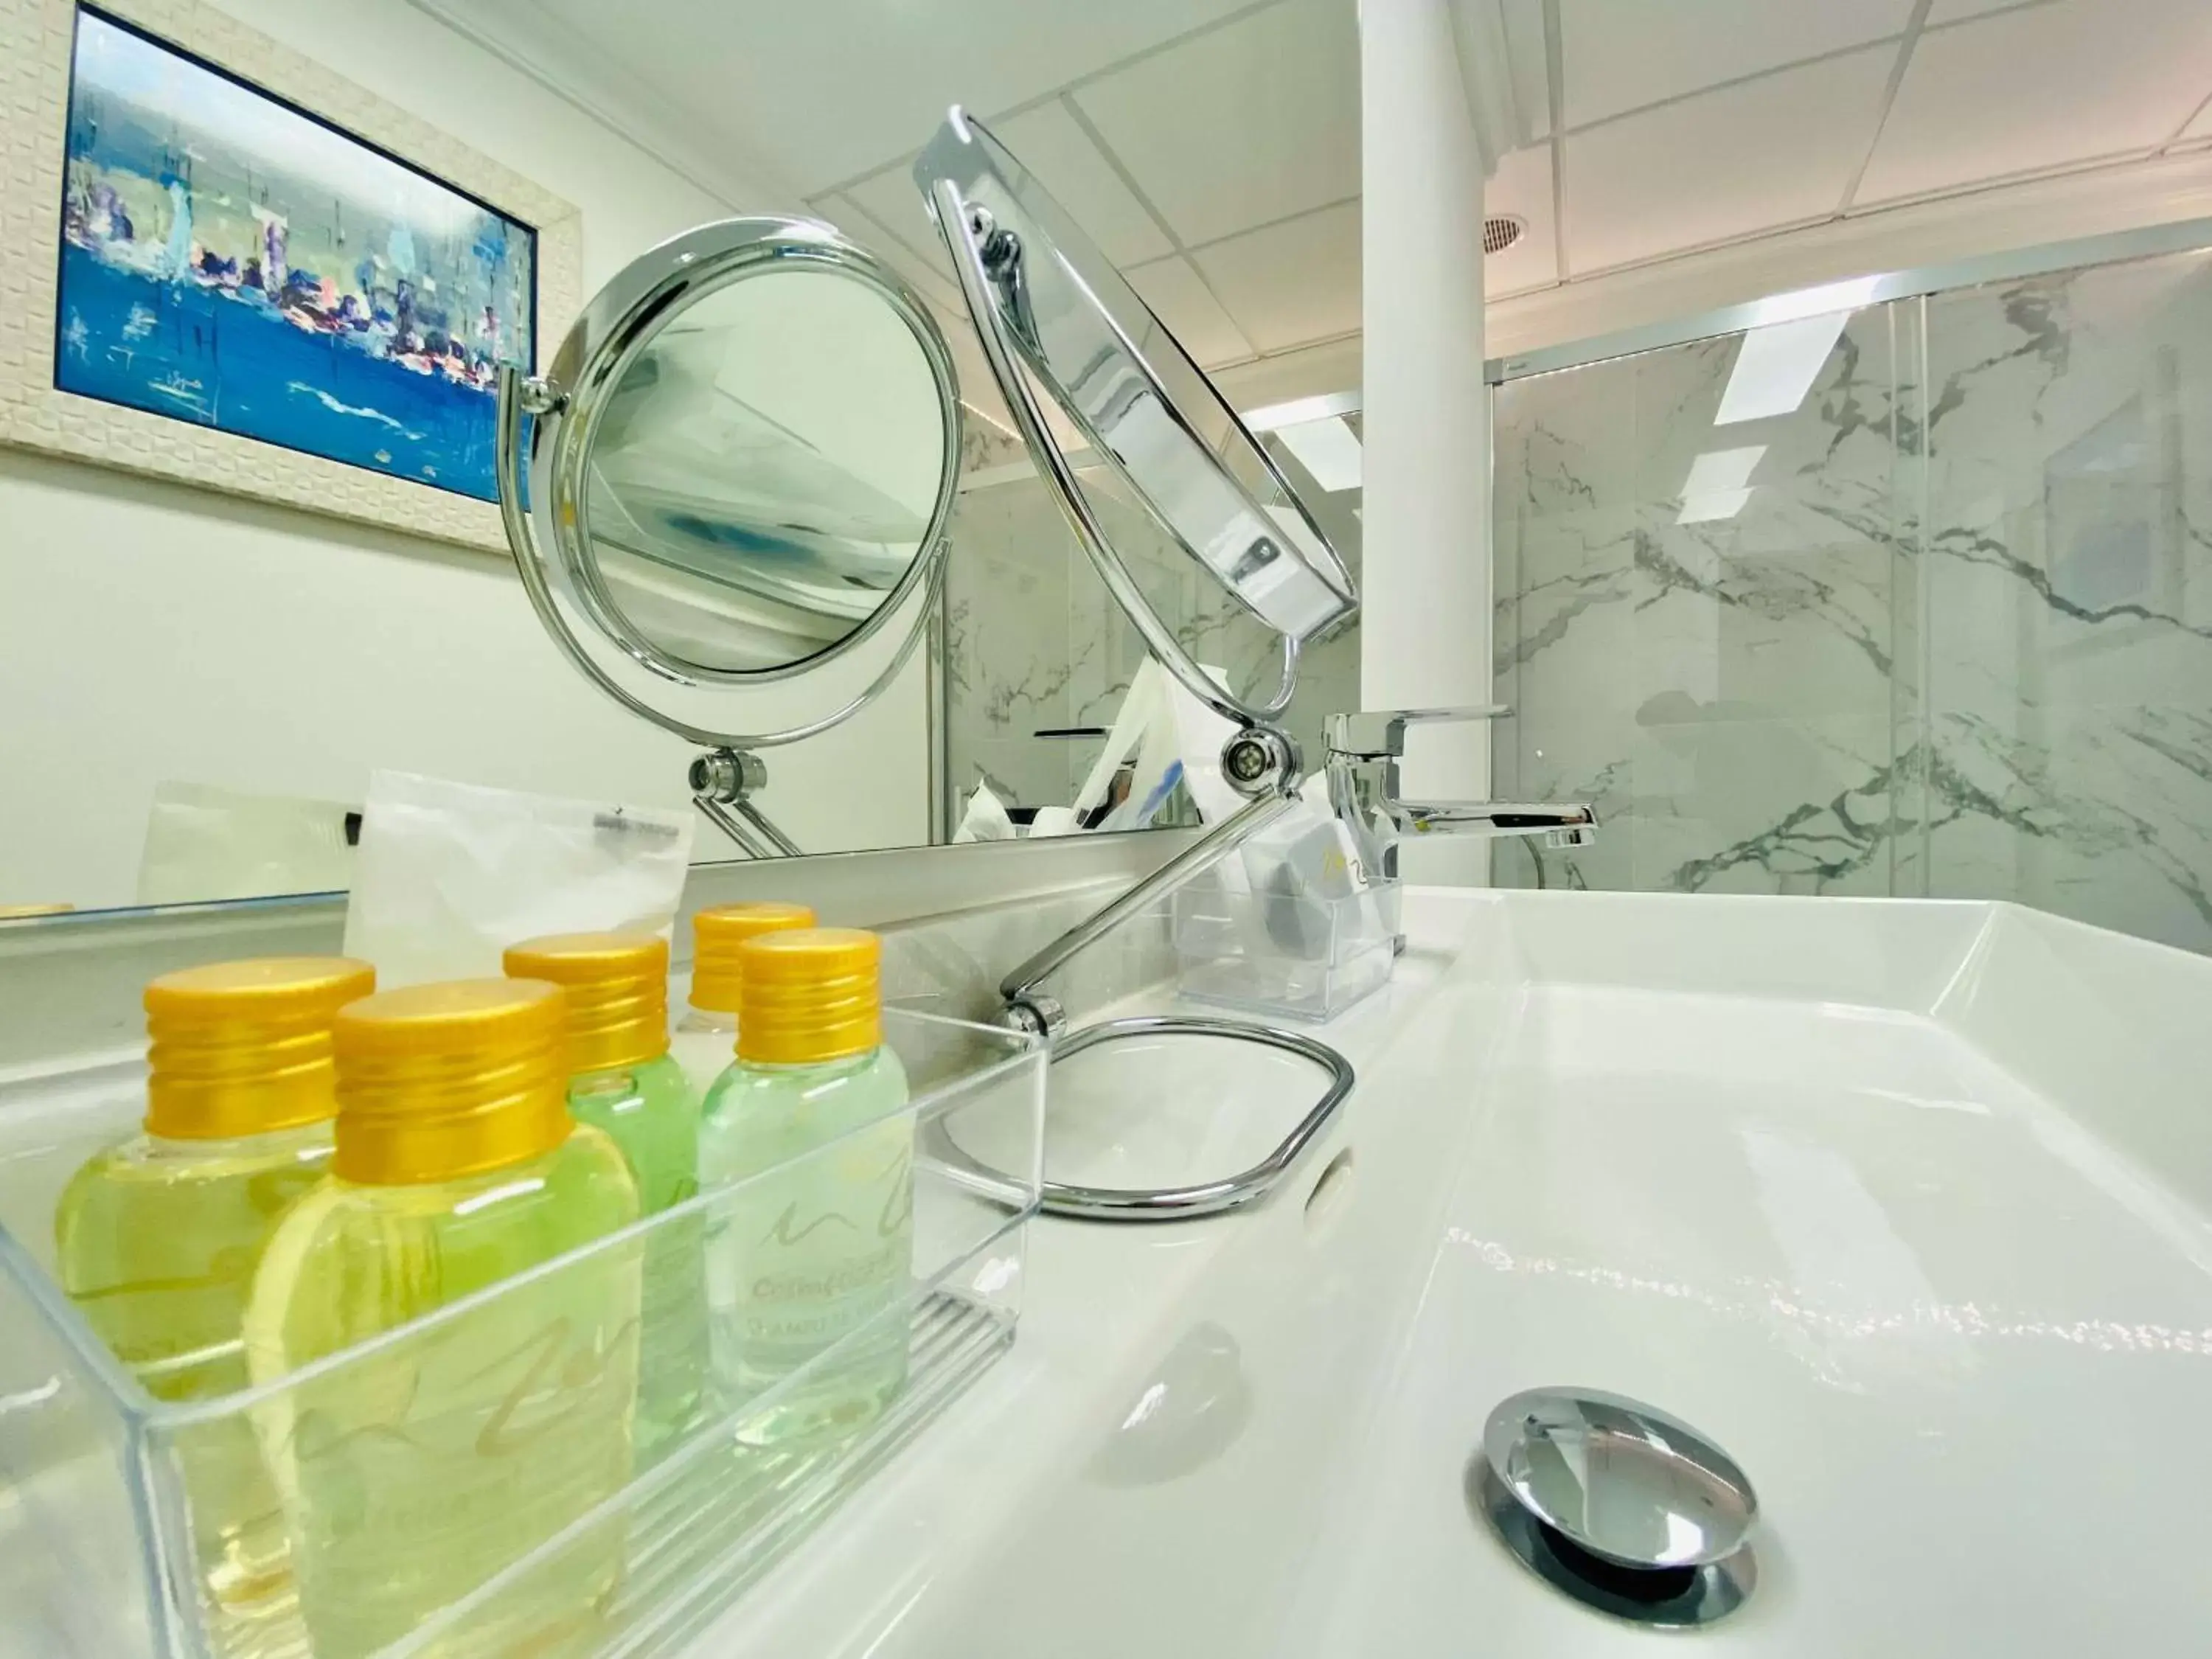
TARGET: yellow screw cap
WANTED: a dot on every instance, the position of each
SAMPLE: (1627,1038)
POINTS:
(436,1081)
(813,994)
(618,986)
(717,940)
(244,1047)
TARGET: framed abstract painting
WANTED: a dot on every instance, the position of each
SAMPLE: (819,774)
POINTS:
(240,271)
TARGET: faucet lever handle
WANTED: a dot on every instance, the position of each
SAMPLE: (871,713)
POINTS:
(1383,731)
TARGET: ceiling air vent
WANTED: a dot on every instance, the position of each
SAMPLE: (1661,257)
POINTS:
(1501,231)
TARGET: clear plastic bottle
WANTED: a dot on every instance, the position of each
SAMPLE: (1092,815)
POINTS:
(805,1259)
(624,1081)
(414,1471)
(157,1238)
(706,1039)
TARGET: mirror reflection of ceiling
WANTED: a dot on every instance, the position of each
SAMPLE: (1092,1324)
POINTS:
(762,475)
(1213,146)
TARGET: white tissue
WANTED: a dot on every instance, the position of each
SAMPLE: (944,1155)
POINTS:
(1175,738)
(205,842)
(448,875)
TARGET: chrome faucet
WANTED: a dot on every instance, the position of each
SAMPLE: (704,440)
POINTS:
(1367,794)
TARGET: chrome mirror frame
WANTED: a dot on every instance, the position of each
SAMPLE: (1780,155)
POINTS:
(1047,302)
(551,539)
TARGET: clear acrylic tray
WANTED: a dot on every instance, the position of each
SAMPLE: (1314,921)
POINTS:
(97,1552)
(1295,956)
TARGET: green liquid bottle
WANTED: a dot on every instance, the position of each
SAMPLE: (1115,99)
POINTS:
(625,1082)
(807,1267)
(706,1037)
(157,1238)
(416,1471)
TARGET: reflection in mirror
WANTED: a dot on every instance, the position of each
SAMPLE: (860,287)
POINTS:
(1039,661)
(763,473)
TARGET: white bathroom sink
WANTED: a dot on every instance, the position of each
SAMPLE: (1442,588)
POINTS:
(1902,1203)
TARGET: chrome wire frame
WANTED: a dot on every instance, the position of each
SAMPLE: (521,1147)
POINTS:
(1204,1198)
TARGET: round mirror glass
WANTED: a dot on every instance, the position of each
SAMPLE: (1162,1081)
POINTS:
(761,474)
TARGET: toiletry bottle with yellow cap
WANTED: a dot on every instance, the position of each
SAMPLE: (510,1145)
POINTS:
(156,1237)
(803,1257)
(416,1469)
(623,1080)
(706,1039)
(621,1076)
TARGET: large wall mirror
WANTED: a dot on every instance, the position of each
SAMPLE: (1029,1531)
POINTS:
(768,500)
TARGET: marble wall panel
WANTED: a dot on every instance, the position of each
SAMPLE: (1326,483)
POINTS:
(1957,640)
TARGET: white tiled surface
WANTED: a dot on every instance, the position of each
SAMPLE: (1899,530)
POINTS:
(1637,188)
(2040,88)
(1244,125)
(1291,283)
(1620,62)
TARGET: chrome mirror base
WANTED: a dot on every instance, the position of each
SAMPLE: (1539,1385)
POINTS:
(723,782)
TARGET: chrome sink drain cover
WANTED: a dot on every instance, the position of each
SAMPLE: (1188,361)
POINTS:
(1623,1507)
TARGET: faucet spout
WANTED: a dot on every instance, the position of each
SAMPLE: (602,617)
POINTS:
(1562,823)
(1365,790)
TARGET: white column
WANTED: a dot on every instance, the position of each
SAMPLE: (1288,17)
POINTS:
(1425,612)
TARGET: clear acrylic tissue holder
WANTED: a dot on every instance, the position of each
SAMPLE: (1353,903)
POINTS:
(1292,955)
(96,1546)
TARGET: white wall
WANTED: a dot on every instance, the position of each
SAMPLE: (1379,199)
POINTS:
(149,631)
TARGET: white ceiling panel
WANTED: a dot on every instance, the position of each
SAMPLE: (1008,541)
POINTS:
(1290,284)
(2040,87)
(1952,11)
(1522,187)
(1775,151)
(1174,290)
(934,281)
(1053,145)
(831,89)
(1244,124)
(2201,126)
(890,199)
(1623,54)
(1526,52)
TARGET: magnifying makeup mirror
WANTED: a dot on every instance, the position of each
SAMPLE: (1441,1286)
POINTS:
(1055,313)
(739,470)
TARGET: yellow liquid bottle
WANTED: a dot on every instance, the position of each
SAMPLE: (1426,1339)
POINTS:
(808,1265)
(622,1080)
(157,1238)
(416,1469)
(706,1039)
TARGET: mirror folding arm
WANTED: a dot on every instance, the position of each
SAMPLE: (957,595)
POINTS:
(738,470)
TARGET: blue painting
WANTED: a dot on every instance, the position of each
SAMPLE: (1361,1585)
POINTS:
(230,260)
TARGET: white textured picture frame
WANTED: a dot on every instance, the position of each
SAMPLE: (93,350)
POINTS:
(35,41)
